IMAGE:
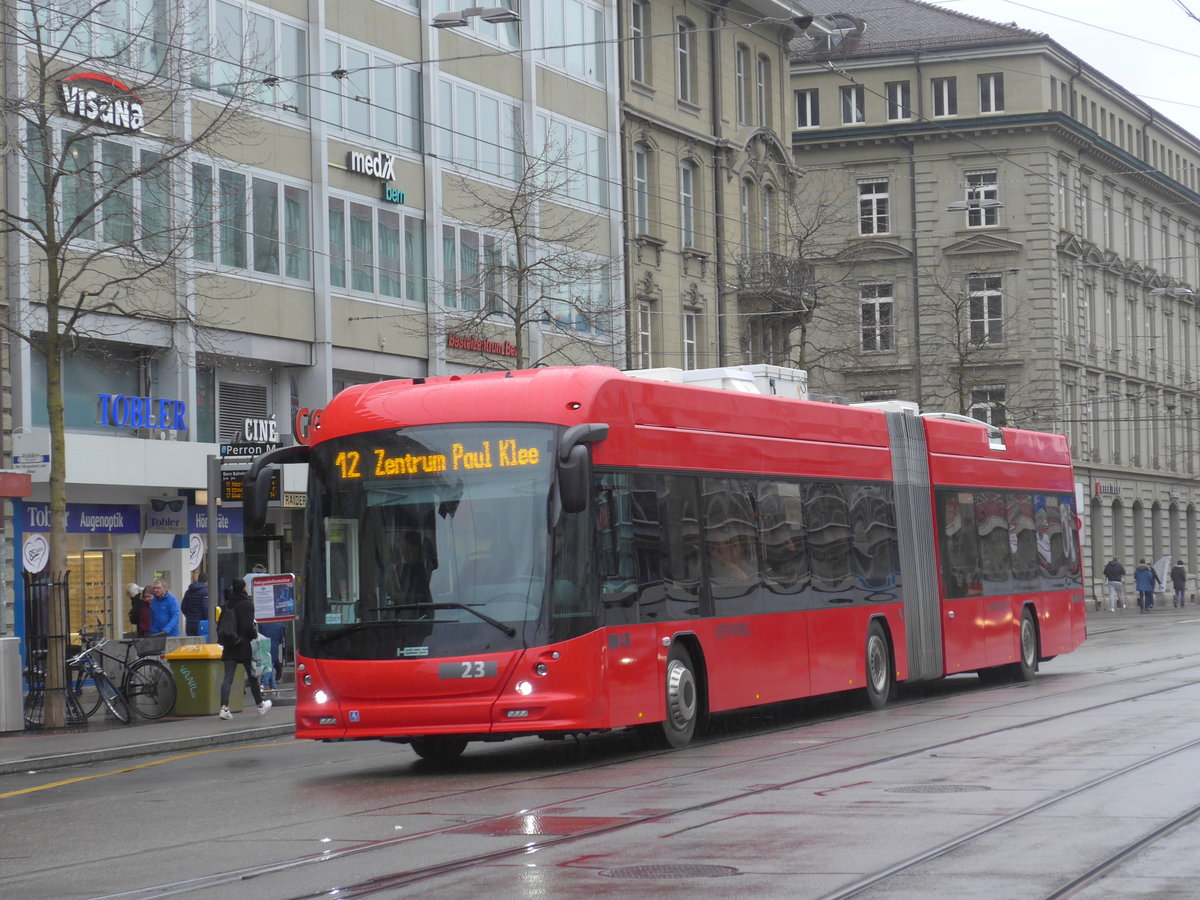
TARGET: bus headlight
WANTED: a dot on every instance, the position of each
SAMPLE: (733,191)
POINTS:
(524,688)
(321,697)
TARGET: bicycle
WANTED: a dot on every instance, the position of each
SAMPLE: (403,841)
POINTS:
(89,683)
(146,686)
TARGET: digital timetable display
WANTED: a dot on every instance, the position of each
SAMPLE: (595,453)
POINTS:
(462,457)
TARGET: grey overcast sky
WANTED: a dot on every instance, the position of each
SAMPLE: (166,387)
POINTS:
(1150,47)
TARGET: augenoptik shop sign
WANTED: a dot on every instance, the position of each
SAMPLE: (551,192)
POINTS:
(104,99)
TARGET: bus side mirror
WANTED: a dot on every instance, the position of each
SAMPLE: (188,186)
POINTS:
(574,479)
(575,464)
(257,482)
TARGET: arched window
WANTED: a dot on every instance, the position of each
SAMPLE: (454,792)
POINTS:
(747,205)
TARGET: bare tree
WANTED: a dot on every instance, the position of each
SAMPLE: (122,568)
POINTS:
(799,300)
(971,342)
(541,273)
(107,101)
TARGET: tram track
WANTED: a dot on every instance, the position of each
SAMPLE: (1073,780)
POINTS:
(399,879)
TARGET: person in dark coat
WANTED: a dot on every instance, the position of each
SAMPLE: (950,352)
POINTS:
(238,648)
(139,607)
(194,604)
(1179,582)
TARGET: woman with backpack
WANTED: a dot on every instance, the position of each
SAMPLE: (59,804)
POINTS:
(236,632)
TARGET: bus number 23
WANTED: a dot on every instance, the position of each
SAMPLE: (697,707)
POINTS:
(468,669)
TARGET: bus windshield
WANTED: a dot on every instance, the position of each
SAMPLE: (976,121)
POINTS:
(429,541)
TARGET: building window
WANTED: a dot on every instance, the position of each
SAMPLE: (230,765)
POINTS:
(763,91)
(473,269)
(691,326)
(248,222)
(641,189)
(573,37)
(873,206)
(378,96)
(987,310)
(853,103)
(578,159)
(945,97)
(687,204)
(898,95)
(747,201)
(386,250)
(987,405)
(639,31)
(479,131)
(645,335)
(808,111)
(982,186)
(991,93)
(741,79)
(246,45)
(685,60)
(876,307)
(768,211)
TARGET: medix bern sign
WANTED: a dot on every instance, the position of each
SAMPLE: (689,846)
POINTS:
(114,104)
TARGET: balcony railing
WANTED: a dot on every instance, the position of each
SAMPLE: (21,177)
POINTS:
(782,280)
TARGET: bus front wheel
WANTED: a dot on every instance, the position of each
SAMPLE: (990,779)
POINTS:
(683,699)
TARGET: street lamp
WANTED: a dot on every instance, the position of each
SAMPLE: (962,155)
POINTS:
(495,15)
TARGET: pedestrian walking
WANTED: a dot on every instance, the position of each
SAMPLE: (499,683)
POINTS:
(195,604)
(1145,579)
(1114,574)
(164,610)
(1179,582)
(237,645)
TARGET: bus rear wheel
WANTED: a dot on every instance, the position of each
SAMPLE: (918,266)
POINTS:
(1026,667)
(879,667)
(438,749)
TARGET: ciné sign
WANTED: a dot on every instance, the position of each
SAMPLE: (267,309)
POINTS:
(113,104)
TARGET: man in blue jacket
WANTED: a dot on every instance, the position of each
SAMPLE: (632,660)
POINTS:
(164,610)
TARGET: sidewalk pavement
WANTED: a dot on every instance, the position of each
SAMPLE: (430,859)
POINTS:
(106,739)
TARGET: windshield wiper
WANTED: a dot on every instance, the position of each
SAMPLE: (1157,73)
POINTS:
(324,639)
(507,629)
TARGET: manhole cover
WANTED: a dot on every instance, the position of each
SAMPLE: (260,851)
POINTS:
(669,871)
(937,789)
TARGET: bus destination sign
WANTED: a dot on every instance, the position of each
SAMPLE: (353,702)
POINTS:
(379,463)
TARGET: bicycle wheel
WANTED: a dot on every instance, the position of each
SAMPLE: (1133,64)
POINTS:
(82,683)
(112,697)
(150,689)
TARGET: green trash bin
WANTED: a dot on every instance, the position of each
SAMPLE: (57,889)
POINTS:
(198,672)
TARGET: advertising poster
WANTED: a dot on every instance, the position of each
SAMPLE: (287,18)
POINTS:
(274,596)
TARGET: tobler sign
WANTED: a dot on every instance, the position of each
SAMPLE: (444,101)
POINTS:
(101,98)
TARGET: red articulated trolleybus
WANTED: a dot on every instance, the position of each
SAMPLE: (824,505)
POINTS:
(569,550)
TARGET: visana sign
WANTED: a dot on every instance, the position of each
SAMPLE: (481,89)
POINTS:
(378,164)
(115,104)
